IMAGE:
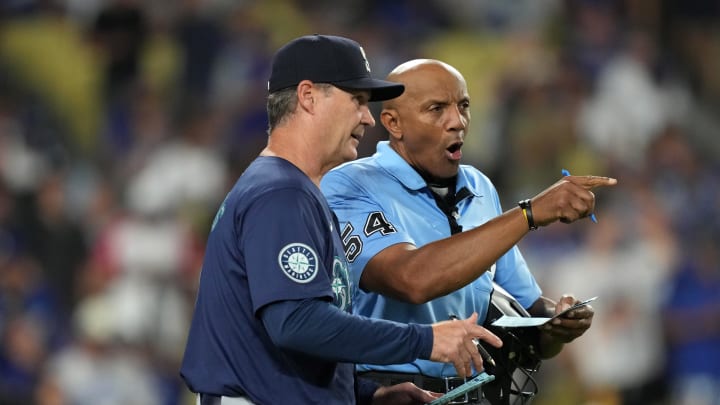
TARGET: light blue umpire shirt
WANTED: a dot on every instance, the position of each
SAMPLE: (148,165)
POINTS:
(381,201)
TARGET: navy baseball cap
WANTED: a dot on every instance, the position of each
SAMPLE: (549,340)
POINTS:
(328,59)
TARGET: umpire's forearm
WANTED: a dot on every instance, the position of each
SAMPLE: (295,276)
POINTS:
(418,275)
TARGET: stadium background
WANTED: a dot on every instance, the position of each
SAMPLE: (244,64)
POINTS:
(123,123)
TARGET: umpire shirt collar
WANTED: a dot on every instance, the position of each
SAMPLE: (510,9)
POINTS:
(398,168)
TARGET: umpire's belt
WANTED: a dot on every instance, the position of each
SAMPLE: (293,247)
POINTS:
(435,384)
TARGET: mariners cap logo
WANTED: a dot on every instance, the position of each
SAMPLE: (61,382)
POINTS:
(367,64)
(299,262)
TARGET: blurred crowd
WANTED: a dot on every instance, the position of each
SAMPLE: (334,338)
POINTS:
(123,123)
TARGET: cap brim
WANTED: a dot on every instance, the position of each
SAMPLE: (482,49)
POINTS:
(379,89)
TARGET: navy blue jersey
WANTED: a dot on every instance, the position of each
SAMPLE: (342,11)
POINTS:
(273,239)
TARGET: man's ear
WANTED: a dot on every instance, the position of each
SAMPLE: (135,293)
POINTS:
(305,95)
(391,121)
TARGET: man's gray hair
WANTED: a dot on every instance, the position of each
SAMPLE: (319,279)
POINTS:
(282,103)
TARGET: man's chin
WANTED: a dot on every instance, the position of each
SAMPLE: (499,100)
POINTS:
(452,169)
(350,155)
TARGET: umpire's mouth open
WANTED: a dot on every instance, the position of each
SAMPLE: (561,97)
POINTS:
(454,151)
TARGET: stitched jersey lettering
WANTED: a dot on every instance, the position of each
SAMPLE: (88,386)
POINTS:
(352,244)
(376,222)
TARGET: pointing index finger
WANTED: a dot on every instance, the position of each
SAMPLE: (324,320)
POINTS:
(599,181)
(590,182)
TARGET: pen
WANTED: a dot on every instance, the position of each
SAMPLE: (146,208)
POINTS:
(576,306)
(483,352)
(592,215)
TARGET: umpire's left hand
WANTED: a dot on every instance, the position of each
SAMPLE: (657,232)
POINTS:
(571,325)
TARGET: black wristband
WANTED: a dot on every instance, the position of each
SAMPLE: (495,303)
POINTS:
(527,212)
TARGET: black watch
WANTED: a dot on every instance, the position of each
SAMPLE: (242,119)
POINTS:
(526,207)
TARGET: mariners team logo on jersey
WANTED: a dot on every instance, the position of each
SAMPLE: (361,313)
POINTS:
(341,284)
(299,262)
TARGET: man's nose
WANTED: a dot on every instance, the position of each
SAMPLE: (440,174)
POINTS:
(457,120)
(367,117)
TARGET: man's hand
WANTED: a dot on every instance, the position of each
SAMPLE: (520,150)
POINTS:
(563,329)
(453,343)
(571,325)
(403,394)
(568,200)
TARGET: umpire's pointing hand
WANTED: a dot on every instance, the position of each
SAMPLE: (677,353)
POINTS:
(568,200)
(453,343)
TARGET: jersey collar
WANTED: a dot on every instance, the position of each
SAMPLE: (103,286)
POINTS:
(398,168)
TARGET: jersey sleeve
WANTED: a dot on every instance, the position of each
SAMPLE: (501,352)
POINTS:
(513,274)
(366,226)
(340,336)
(286,240)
